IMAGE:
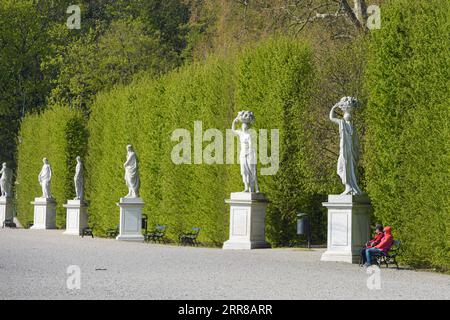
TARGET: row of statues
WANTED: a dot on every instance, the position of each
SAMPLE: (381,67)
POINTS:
(131,177)
(45,177)
(348,147)
(346,167)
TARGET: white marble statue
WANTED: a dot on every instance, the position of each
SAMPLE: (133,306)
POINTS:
(45,177)
(78,180)
(131,173)
(5,181)
(348,146)
(247,155)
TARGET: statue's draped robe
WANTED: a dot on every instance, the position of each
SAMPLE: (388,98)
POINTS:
(348,156)
(44,179)
(132,173)
(78,180)
(6,182)
(247,157)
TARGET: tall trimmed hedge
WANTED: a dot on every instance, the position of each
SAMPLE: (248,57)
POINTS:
(278,73)
(59,134)
(408,133)
(145,114)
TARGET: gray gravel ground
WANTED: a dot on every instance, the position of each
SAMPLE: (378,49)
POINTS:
(33,265)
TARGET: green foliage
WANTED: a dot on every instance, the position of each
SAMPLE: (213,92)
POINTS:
(58,134)
(408,134)
(24,41)
(43,62)
(97,62)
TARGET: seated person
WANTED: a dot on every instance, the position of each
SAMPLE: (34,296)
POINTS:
(372,242)
(381,248)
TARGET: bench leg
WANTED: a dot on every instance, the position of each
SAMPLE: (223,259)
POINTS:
(396,264)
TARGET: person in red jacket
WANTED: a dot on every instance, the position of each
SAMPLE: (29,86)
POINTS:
(381,248)
(372,242)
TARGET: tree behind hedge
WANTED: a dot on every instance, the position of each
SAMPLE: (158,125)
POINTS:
(408,135)
(58,134)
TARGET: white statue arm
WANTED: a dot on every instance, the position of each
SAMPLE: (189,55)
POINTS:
(333,117)
(233,126)
(49,173)
(127,162)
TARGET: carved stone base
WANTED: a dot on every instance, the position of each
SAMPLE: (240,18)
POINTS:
(348,227)
(130,228)
(76,217)
(6,209)
(247,221)
(44,213)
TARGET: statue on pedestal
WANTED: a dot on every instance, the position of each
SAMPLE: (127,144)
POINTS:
(78,180)
(131,173)
(44,178)
(247,156)
(348,146)
(5,181)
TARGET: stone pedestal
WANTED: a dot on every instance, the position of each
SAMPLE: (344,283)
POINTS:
(6,209)
(130,228)
(44,213)
(247,221)
(348,227)
(76,217)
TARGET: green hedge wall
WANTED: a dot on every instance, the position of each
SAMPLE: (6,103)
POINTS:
(408,134)
(273,79)
(58,134)
(180,196)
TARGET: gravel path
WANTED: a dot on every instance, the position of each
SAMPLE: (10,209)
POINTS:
(33,265)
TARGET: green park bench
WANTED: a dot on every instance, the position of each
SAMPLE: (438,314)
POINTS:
(87,232)
(157,234)
(390,257)
(112,232)
(9,223)
(190,237)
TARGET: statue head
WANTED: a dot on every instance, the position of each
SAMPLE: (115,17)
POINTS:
(129,148)
(78,158)
(246,118)
(45,161)
(4,165)
(347,104)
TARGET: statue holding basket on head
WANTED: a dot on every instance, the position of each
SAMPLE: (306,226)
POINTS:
(348,145)
(247,154)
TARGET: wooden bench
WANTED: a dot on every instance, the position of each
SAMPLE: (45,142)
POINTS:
(190,237)
(158,234)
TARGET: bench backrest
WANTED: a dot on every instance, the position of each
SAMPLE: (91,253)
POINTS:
(160,228)
(396,245)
